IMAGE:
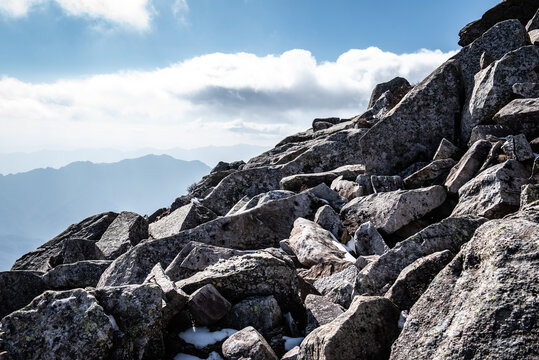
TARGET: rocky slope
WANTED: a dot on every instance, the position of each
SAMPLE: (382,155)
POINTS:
(407,232)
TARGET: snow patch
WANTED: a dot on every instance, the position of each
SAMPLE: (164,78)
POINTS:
(201,337)
(182,356)
(344,249)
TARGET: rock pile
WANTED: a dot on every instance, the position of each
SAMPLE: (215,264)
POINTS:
(407,232)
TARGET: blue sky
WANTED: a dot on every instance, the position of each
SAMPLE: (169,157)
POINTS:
(132,74)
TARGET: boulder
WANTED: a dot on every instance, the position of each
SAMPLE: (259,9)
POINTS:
(346,188)
(518,148)
(386,183)
(328,219)
(449,234)
(425,116)
(365,331)
(529,194)
(485,60)
(18,288)
(533,24)
(493,193)
(247,344)
(364,182)
(340,287)
(483,304)
(75,250)
(91,228)
(224,166)
(486,132)
(416,277)
(447,150)
(390,211)
(368,241)
(292,354)
(207,306)
(58,325)
(526,90)
(323,270)
(320,311)
(127,230)
(183,218)
(396,86)
(429,174)
(261,312)
(468,166)
(520,115)
(261,199)
(300,182)
(76,275)
(175,299)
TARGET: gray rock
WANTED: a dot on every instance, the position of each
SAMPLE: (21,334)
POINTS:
(520,116)
(300,182)
(261,312)
(449,234)
(175,299)
(320,311)
(262,273)
(493,193)
(323,270)
(485,60)
(75,250)
(91,228)
(486,132)
(339,287)
(18,288)
(493,86)
(494,155)
(224,166)
(77,275)
(465,313)
(426,176)
(58,325)
(247,344)
(386,183)
(529,194)
(127,230)
(263,198)
(365,331)
(364,181)
(384,98)
(533,24)
(391,211)
(346,188)
(328,219)
(468,166)
(416,277)
(526,90)
(363,261)
(292,354)
(447,150)
(321,125)
(207,306)
(534,37)
(328,196)
(240,204)
(183,218)
(518,148)
(368,241)
(312,244)
(396,85)
(418,123)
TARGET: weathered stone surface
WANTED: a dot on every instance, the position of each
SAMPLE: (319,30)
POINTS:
(529,194)
(263,198)
(526,90)
(449,234)
(493,86)
(312,244)
(136,310)
(487,295)
(300,182)
(518,148)
(533,23)
(320,311)
(91,228)
(418,123)
(390,211)
(368,241)
(386,183)
(447,150)
(534,37)
(224,166)
(260,227)
(261,273)
(384,98)
(430,173)
(175,299)
(487,132)
(346,188)
(127,230)
(493,193)
(328,219)
(485,60)
(468,166)
(323,270)
(183,218)
(207,306)
(362,261)
(247,344)
(18,288)
(416,277)
(58,325)
(321,125)
(261,312)
(339,287)
(508,9)
(76,275)
(292,354)
(365,331)
(74,250)
(396,86)
(364,181)
(520,115)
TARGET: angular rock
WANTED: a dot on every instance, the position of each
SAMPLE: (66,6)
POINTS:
(292,354)
(386,183)
(533,23)
(76,275)
(175,299)
(75,250)
(207,306)
(328,196)
(391,211)
(323,270)
(224,166)
(416,277)
(247,344)
(430,173)
(446,150)
(526,90)
(485,60)
(364,182)
(261,312)
(488,132)
(339,287)
(320,311)
(520,115)
(312,244)
(127,230)
(365,331)
(468,166)
(529,194)
(263,198)
(483,304)
(368,241)
(58,325)
(300,182)
(183,218)
(449,234)
(396,85)
(534,37)
(518,148)
(18,289)
(494,193)
(346,188)
(363,261)
(328,219)
(321,125)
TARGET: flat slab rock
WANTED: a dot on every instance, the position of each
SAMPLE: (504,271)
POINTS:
(127,230)
(183,218)
(520,115)
(468,166)
(77,275)
(320,311)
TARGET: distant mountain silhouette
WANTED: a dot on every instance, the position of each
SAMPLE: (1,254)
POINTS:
(39,204)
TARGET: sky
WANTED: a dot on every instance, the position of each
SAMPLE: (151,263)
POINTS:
(131,74)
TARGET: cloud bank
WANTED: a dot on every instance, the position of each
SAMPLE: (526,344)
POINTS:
(215,99)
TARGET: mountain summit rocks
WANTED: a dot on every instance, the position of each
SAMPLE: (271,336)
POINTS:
(409,231)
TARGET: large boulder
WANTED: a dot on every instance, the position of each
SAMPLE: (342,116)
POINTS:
(18,288)
(174,299)
(183,218)
(396,86)
(365,331)
(247,344)
(320,311)
(58,325)
(447,150)
(328,219)
(300,182)
(483,305)
(468,166)
(493,193)
(261,312)
(425,116)
(207,306)
(390,211)
(520,115)
(368,241)
(339,287)
(127,230)
(77,275)
(247,203)
(430,173)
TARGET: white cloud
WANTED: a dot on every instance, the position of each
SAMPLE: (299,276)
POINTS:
(215,99)
(180,9)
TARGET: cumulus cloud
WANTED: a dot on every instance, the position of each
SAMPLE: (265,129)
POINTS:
(215,99)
